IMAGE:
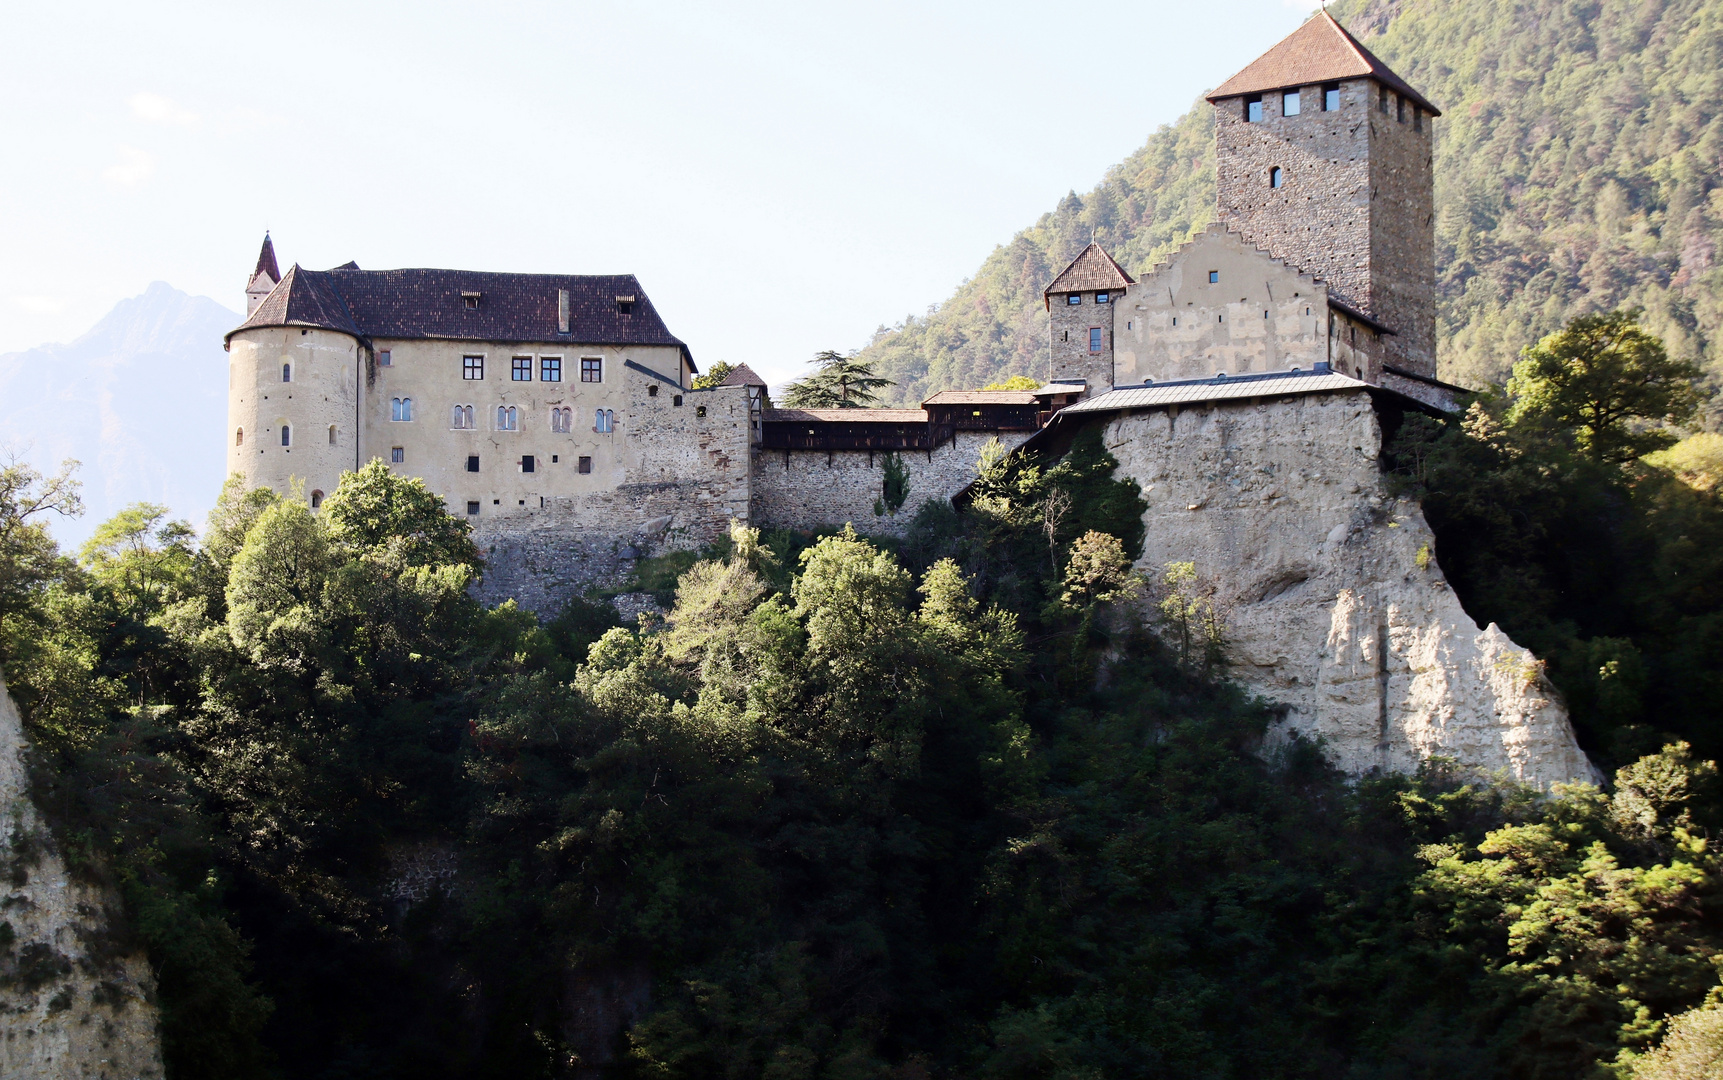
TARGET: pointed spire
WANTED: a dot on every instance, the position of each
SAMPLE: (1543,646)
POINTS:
(1318,52)
(266,261)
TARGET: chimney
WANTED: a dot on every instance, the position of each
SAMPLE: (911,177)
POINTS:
(562,311)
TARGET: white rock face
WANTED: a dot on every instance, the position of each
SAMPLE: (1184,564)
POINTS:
(68,1007)
(1335,607)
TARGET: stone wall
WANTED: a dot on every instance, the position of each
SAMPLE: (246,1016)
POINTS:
(1403,234)
(73,1001)
(804,489)
(1068,337)
(1335,606)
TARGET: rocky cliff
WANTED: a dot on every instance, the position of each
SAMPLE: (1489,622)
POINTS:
(73,1001)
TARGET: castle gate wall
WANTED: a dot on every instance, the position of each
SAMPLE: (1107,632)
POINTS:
(1261,315)
(1334,605)
(805,489)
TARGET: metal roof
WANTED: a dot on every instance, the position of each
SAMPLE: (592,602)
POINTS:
(1272,384)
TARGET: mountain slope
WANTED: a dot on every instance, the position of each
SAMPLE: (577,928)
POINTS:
(139,400)
(1579,166)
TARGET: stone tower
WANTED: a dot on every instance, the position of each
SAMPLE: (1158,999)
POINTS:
(1323,158)
(263,279)
(1080,305)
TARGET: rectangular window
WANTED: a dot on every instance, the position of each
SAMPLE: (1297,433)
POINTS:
(1331,98)
(1102,298)
(1399,108)
(1074,299)
(397,454)
(472,367)
(472,506)
(591,369)
(1213,277)
(1289,103)
(585,465)
(1253,110)
(1382,100)
(521,371)
(550,369)
(1094,339)
(384,358)
(472,463)
(1417,119)
(526,463)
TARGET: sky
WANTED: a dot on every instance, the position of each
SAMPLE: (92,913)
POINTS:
(783,178)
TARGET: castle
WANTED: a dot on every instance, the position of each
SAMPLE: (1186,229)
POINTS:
(1247,384)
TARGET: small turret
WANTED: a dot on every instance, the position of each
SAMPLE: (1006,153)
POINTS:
(263,279)
(1080,316)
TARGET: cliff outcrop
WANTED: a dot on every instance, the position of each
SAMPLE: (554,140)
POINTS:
(1334,606)
(73,1001)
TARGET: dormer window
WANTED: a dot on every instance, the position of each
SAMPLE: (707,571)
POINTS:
(470,299)
(625,305)
(1074,299)
(1289,103)
(1331,98)
(1253,110)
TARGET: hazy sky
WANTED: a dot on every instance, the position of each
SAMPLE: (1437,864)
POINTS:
(782,178)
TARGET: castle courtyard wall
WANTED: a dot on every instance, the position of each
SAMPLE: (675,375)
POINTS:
(1335,608)
(808,489)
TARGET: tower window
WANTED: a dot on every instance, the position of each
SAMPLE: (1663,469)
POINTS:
(1331,98)
(1094,339)
(397,455)
(1213,276)
(1276,177)
(1102,298)
(1382,100)
(676,400)
(239,437)
(316,500)
(286,435)
(1399,108)
(591,369)
(585,465)
(1074,299)
(652,390)
(286,372)
(385,358)
(1289,103)
(331,434)
(472,368)
(401,409)
(521,371)
(1417,119)
(550,369)
(472,463)
(473,507)
(1253,110)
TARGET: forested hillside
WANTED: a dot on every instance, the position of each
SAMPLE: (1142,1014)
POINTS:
(1578,167)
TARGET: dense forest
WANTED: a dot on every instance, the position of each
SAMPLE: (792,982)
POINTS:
(979,802)
(1577,171)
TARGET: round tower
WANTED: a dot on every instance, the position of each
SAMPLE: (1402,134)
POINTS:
(294,393)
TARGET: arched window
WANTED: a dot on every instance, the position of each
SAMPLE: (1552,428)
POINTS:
(286,372)
(239,437)
(401,408)
(1276,177)
(606,421)
(316,500)
(331,434)
(286,435)
(562,420)
(507,418)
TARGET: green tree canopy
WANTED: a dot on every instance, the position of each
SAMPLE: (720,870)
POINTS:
(837,382)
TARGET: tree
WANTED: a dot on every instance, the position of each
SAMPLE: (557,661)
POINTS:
(29,558)
(1608,382)
(838,382)
(1015,382)
(715,375)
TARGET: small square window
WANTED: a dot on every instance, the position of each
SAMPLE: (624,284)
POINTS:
(652,390)
(553,459)
(384,358)
(1289,103)
(1074,299)
(1253,110)
(550,369)
(1213,277)
(521,369)
(397,454)
(527,463)
(1331,98)
(1102,298)
(585,465)
(472,367)
(472,463)
(624,307)
(677,400)
(699,410)
(591,369)
(472,506)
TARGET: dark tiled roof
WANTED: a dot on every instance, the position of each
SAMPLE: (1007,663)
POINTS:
(1093,269)
(981,397)
(266,261)
(742,375)
(1319,51)
(848,416)
(429,304)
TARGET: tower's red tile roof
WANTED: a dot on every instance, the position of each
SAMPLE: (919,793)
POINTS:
(1093,269)
(1319,51)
